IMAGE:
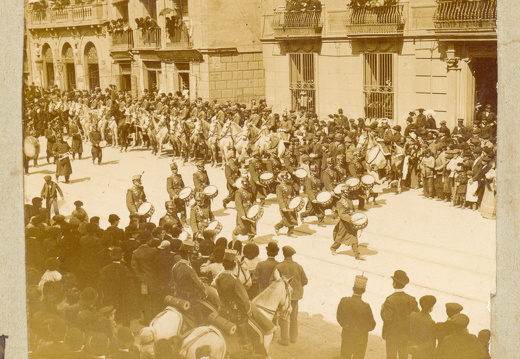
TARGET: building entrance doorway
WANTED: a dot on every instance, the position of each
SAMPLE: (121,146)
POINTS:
(485,72)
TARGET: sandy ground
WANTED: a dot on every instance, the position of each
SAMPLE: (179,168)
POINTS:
(447,252)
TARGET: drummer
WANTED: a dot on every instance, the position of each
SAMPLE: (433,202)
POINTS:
(258,189)
(61,150)
(330,176)
(200,178)
(313,186)
(232,172)
(358,193)
(200,214)
(244,200)
(95,139)
(135,196)
(174,185)
(284,194)
(344,232)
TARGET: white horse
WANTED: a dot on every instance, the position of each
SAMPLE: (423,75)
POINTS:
(235,137)
(374,151)
(215,128)
(204,336)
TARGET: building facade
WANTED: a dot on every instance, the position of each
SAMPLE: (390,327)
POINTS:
(382,58)
(211,48)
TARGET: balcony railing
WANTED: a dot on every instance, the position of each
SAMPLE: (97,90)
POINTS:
(298,23)
(178,36)
(69,16)
(466,15)
(375,20)
(148,38)
(121,40)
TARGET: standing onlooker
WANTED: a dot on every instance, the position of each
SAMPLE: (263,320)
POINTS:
(460,344)
(444,329)
(49,193)
(422,330)
(356,318)
(79,214)
(427,168)
(291,270)
(95,140)
(396,312)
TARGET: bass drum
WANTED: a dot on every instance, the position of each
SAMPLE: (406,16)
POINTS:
(31,147)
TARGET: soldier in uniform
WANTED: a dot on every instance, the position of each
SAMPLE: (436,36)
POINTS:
(171,215)
(232,172)
(185,284)
(356,318)
(344,232)
(200,178)
(341,167)
(244,200)
(61,152)
(174,185)
(284,194)
(258,189)
(313,186)
(95,139)
(135,196)
(200,214)
(330,176)
(235,303)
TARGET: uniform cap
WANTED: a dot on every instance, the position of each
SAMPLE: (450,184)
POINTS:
(136,177)
(360,282)
(460,320)
(113,217)
(288,251)
(230,255)
(401,277)
(169,203)
(173,166)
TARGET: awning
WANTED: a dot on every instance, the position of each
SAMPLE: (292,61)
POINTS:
(121,56)
(180,55)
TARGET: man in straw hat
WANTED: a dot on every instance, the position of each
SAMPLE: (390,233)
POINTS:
(344,231)
(235,303)
(356,318)
(396,312)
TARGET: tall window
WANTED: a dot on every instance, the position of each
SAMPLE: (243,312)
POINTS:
(378,85)
(302,81)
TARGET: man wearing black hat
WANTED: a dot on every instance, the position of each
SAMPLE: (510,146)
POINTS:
(79,214)
(118,234)
(460,344)
(293,271)
(118,287)
(263,274)
(174,185)
(356,318)
(49,193)
(395,313)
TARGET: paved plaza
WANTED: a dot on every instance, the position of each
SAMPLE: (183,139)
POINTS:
(447,252)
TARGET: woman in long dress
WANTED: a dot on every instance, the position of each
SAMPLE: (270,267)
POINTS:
(488,205)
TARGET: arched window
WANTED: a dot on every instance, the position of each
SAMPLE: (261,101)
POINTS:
(91,61)
(67,57)
(48,65)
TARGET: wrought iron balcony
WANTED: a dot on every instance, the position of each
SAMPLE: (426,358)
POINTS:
(465,15)
(178,35)
(148,38)
(297,23)
(121,40)
(85,15)
(375,21)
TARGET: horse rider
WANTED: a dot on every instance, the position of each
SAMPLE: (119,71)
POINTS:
(185,283)
(234,301)
(174,185)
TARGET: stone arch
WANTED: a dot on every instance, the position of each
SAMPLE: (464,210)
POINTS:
(69,69)
(92,65)
(48,65)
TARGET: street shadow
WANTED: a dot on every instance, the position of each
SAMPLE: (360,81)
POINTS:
(77,180)
(43,172)
(363,250)
(303,230)
(220,213)
(379,203)
(328,220)
(266,238)
(110,162)
(312,329)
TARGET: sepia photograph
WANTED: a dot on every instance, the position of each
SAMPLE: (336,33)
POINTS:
(276,179)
